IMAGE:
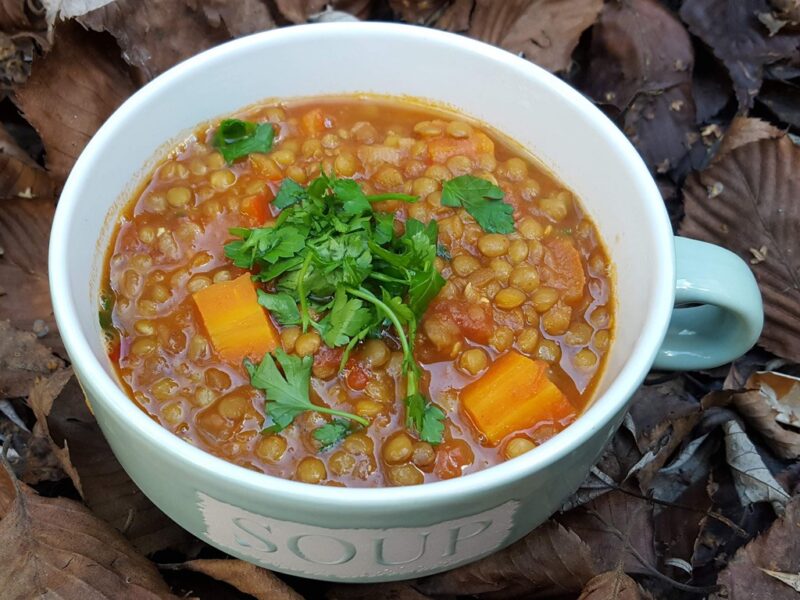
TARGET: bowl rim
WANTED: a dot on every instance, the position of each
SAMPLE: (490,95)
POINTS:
(599,415)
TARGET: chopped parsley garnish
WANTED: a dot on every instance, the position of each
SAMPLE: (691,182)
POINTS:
(331,433)
(481,199)
(235,139)
(340,268)
(287,392)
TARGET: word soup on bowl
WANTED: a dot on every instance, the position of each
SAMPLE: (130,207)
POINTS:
(357,291)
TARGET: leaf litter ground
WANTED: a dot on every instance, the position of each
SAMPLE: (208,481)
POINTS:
(697,493)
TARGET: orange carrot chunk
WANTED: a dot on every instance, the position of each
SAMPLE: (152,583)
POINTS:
(236,323)
(513,395)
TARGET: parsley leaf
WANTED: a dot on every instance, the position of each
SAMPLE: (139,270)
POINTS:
(235,139)
(481,199)
(345,319)
(331,433)
(288,194)
(287,392)
(281,306)
(425,417)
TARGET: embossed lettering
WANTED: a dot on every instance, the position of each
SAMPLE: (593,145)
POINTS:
(455,535)
(319,543)
(379,549)
(254,530)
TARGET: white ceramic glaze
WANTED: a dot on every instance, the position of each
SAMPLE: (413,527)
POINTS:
(365,534)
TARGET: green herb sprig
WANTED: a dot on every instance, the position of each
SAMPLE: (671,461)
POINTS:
(235,139)
(481,199)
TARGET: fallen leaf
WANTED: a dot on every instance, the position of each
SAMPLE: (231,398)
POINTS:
(617,527)
(692,464)
(783,100)
(386,591)
(156,35)
(24,234)
(22,360)
(612,585)
(13,16)
(770,402)
(544,31)
(776,550)
(71,92)
(244,576)
(8,491)
(754,482)
(60,549)
(20,176)
(64,419)
(756,207)
(733,32)
(790,579)
(550,560)
(641,61)
(299,11)
(746,130)
(418,11)
(67,9)
(711,86)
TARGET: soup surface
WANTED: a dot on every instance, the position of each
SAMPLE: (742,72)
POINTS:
(357,291)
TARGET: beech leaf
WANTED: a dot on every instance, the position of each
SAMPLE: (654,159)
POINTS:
(20,176)
(777,550)
(22,360)
(59,548)
(387,591)
(544,31)
(612,585)
(25,298)
(790,579)
(549,561)
(733,32)
(747,202)
(300,11)
(746,130)
(71,91)
(244,576)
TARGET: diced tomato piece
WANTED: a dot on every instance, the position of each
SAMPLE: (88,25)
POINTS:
(326,362)
(564,268)
(474,320)
(357,375)
(451,458)
(256,208)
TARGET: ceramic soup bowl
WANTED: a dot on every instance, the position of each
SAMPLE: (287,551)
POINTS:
(680,303)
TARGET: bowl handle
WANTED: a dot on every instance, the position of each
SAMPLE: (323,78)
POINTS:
(718,313)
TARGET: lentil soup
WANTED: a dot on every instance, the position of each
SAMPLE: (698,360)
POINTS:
(357,291)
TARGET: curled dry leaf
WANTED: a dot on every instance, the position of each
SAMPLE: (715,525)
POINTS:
(612,585)
(549,561)
(754,212)
(58,547)
(746,130)
(68,9)
(156,35)
(244,576)
(25,299)
(19,174)
(618,528)
(299,11)
(739,40)
(22,360)
(71,91)
(543,31)
(753,480)
(641,63)
(776,550)
(63,418)
(387,591)
(771,404)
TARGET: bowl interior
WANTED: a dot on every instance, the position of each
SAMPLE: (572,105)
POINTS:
(562,129)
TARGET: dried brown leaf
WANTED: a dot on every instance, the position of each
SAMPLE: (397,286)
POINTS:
(753,480)
(8,491)
(60,549)
(299,11)
(612,585)
(155,35)
(25,299)
(418,11)
(19,174)
(617,527)
(244,576)
(756,215)
(22,360)
(71,92)
(739,40)
(387,591)
(776,550)
(549,561)
(641,62)
(746,130)
(64,419)
(13,16)
(783,99)
(543,31)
